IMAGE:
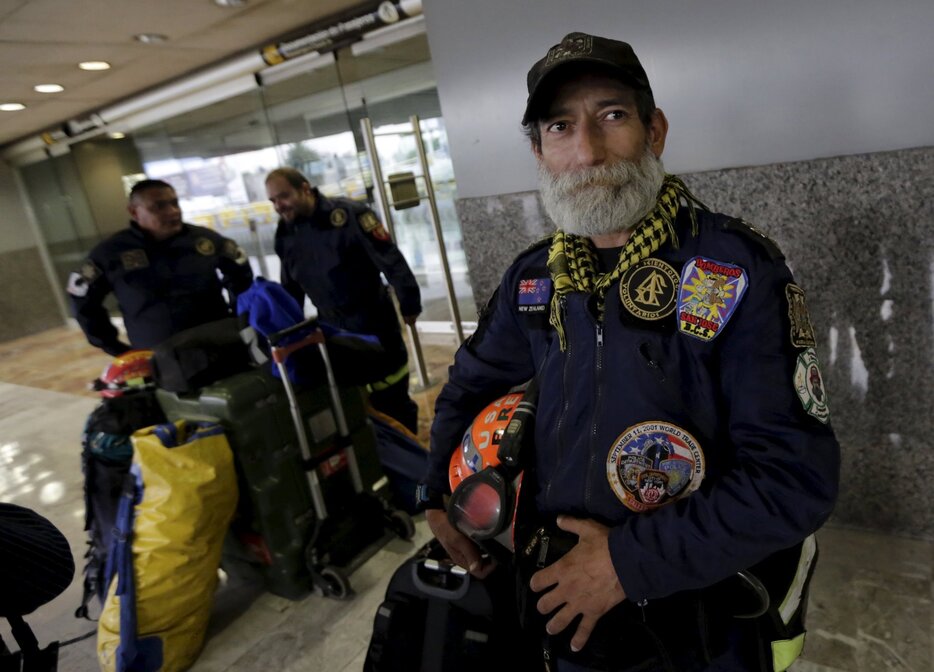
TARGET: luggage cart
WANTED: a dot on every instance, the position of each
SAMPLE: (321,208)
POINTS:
(342,539)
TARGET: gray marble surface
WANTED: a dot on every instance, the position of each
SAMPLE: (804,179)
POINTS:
(857,232)
(26,302)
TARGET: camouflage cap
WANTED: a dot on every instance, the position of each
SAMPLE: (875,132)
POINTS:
(583,48)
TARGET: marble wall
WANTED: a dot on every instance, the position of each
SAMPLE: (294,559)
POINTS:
(858,232)
(27,305)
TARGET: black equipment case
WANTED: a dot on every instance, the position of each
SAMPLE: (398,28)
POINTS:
(438,618)
(317,497)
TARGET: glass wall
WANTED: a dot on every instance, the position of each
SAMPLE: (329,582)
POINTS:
(217,157)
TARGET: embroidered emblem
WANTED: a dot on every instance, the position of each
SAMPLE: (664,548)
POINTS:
(89,271)
(534,295)
(654,463)
(338,217)
(235,252)
(369,221)
(809,384)
(649,290)
(373,226)
(802,331)
(205,246)
(133,260)
(710,292)
(580,45)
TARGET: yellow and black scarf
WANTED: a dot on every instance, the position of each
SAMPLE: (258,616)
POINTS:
(572,261)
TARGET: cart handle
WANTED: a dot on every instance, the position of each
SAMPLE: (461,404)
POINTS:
(277,336)
(281,353)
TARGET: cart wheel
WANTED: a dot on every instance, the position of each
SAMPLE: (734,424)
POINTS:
(401,524)
(336,584)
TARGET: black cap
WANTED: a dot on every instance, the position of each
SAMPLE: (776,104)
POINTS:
(583,48)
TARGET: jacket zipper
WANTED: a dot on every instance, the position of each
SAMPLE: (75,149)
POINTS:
(598,377)
(563,304)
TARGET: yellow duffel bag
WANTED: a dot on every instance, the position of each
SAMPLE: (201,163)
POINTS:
(162,564)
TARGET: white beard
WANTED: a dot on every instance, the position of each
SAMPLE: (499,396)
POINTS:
(603,199)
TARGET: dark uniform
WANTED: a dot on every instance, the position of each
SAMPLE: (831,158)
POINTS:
(162,287)
(691,420)
(335,256)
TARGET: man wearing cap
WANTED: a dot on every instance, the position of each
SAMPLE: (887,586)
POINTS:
(682,457)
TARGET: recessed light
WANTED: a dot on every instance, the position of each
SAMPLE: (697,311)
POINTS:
(230,3)
(116,135)
(150,38)
(11,107)
(94,65)
(48,88)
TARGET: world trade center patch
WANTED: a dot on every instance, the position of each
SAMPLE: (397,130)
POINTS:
(710,292)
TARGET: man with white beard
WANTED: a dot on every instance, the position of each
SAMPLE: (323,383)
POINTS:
(681,459)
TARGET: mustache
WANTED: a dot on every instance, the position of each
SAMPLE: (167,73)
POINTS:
(610,176)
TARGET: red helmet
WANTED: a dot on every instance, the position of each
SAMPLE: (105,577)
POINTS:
(481,440)
(130,371)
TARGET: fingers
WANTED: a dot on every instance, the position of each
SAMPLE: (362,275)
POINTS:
(460,549)
(584,630)
(572,525)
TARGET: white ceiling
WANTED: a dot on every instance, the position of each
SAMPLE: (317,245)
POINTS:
(42,42)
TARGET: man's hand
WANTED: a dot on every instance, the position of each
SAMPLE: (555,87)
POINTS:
(584,581)
(461,549)
(410,319)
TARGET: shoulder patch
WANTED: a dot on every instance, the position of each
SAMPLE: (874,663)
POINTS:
(80,281)
(802,331)
(234,251)
(709,294)
(746,229)
(809,384)
(205,246)
(338,217)
(371,225)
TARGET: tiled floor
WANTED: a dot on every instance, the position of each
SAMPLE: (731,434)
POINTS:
(871,603)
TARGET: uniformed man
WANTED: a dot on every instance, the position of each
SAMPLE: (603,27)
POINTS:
(334,250)
(163,272)
(682,455)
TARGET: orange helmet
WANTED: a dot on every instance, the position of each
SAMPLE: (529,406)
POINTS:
(478,450)
(481,440)
(130,371)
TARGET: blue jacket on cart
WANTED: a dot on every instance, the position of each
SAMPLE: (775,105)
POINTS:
(161,287)
(692,419)
(335,256)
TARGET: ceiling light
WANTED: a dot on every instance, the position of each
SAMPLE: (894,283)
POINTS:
(11,107)
(116,135)
(94,65)
(150,38)
(48,88)
(230,3)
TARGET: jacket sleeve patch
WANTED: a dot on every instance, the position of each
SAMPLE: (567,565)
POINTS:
(709,294)
(809,384)
(802,331)
(370,224)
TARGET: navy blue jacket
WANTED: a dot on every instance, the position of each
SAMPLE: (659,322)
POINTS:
(162,287)
(757,473)
(335,256)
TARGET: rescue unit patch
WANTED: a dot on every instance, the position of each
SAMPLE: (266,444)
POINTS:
(338,217)
(654,463)
(205,246)
(533,295)
(649,290)
(235,252)
(809,384)
(133,260)
(710,291)
(80,281)
(373,226)
(802,331)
